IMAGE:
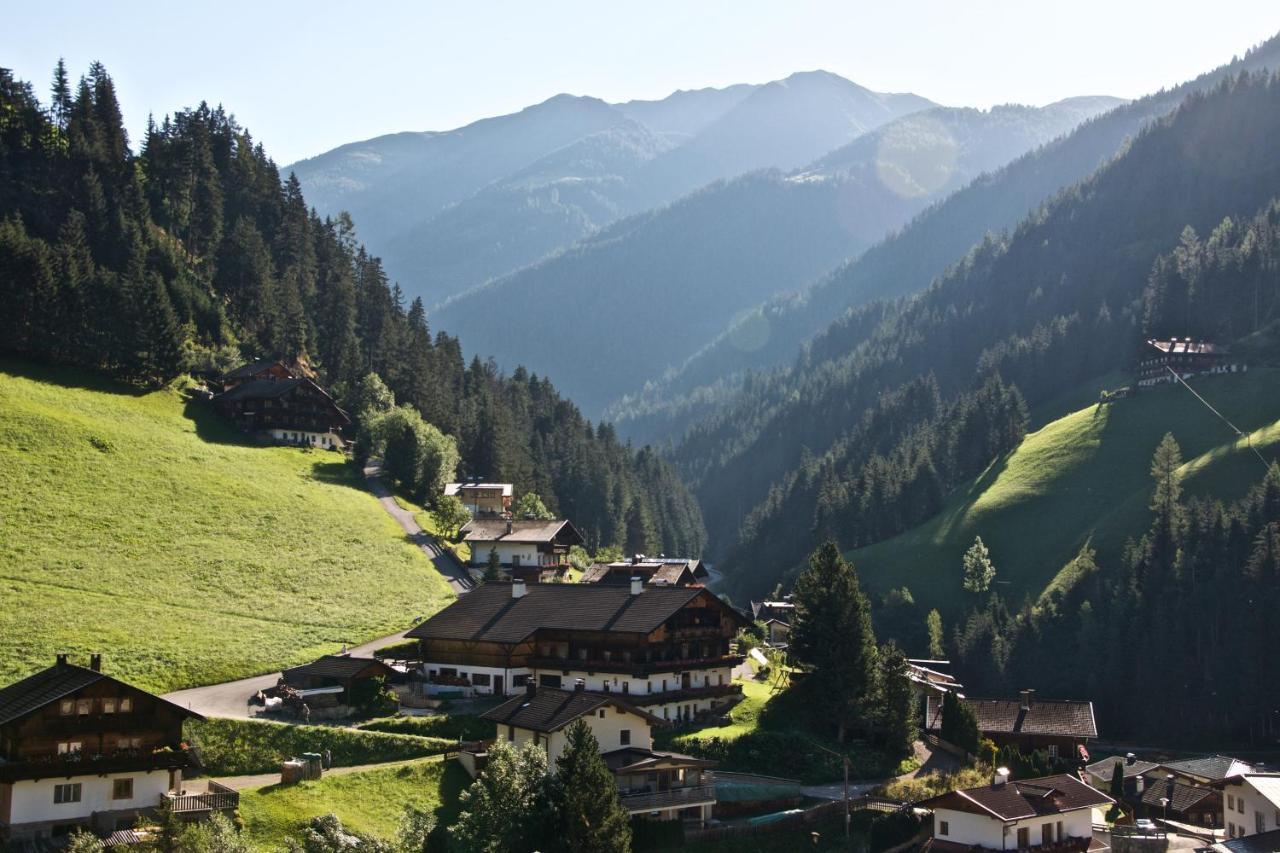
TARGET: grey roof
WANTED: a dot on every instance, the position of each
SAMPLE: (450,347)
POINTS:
(336,666)
(549,710)
(522,530)
(1047,717)
(454,488)
(1024,798)
(49,685)
(1180,795)
(1261,842)
(490,613)
(1215,768)
(1105,768)
(631,759)
(244,371)
(657,574)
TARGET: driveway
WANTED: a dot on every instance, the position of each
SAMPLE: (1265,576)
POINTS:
(444,561)
(231,698)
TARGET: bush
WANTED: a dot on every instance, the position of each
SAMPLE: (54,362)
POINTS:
(239,747)
(656,834)
(450,727)
(893,829)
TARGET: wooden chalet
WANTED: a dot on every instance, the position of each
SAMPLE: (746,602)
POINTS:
(292,410)
(653,785)
(79,748)
(664,649)
(1186,357)
(482,498)
(520,542)
(1061,727)
(262,369)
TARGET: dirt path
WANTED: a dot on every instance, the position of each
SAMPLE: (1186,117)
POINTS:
(444,561)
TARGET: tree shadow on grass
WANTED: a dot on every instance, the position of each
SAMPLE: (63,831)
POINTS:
(70,377)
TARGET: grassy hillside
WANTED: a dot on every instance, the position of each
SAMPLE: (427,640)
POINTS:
(1081,479)
(138,525)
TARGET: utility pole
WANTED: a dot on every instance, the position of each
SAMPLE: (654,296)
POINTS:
(845,760)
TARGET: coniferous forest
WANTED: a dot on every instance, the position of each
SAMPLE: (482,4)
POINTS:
(193,254)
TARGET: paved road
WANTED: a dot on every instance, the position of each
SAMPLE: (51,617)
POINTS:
(231,698)
(444,561)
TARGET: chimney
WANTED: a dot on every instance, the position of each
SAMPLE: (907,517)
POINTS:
(62,658)
(1000,778)
(518,588)
(510,526)
(95,662)
(579,685)
(1027,697)
(530,687)
(637,586)
(1129,758)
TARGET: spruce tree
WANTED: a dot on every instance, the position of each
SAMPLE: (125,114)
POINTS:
(979,571)
(833,635)
(1117,781)
(493,569)
(591,817)
(933,622)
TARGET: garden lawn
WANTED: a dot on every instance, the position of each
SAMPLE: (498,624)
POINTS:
(370,802)
(139,525)
(744,716)
(1082,479)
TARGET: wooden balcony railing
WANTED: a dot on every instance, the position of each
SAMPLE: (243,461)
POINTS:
(217,799)
(639,669)
(676,798)
(81,763)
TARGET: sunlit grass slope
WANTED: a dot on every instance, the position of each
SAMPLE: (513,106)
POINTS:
(1081,479)
(138,525)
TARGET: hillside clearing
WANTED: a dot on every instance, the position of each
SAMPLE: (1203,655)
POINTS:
(1081,479)
(140,526)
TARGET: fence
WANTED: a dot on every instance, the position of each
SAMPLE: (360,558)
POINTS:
(801,820)
(218,798)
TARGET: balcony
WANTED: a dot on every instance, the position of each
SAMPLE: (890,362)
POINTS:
(80,764)
(676,798)
(712,691)
(638,669)
(215,798)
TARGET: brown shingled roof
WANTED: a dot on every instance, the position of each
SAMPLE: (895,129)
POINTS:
(489,612)
(1015,800)
(49,685)
(522,530)
(1051,717)
(336,666)
(549,710)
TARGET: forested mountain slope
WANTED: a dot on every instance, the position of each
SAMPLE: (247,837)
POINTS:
(680,273)
(876,423)
(192,255)
(451,210)
(904,263)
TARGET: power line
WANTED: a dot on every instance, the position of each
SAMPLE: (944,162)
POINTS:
(1221,417)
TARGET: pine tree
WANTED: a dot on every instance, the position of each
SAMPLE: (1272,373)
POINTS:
(493,569)
(1117,781)
(590,815)
(60,102)
(833,634)
(933,622)
(979,571)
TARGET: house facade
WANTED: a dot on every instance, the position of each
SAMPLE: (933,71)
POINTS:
(79,748)
(1045,813)
(662,649)
(654,571)
(1061,727)
(291,410)
(1185,356)
(257,370)
(1251,804)
(483,498)
(520,543)
(653,785)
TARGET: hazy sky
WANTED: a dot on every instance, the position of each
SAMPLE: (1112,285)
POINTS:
(304,77)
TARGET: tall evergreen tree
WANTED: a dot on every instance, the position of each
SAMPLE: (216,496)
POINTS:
(590,816)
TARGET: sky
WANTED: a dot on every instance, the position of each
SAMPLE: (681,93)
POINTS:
(306,77)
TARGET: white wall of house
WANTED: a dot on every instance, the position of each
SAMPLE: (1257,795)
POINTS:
(1248,811)
(33,800)
(616,682)
(508,552)
(315,439)
(983,831)
(607,724)
(492,673)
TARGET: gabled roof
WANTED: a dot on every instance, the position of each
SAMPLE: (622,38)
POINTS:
(1049,717)
(490,613)
(245,371)
(1105,768)
(1266,784)
(1188,346)
(657,574)
(1180,795)
(632,759)
(1214,768)
(522,530)
(337,666)
(49,685)
(1260,842)
(549,710)
(1023,798)
(454,488)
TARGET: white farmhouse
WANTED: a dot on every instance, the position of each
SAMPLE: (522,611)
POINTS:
(1045,812)
(1251,804)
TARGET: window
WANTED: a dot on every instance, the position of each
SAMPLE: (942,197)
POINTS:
(108,706)
(122,789)
(624,738)
(511,733)
(1240,804)
(602,713)
(944,827)
(1231,802)
(128,742)
(480,679)
(1046,833)
(519,680)
(1060,834)
(84,706)
(69,747)
(626,687)
(126,705)
(68,707)
(1024,838)
(1231,830)
(1053,750)
(68,793)
(547,680)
